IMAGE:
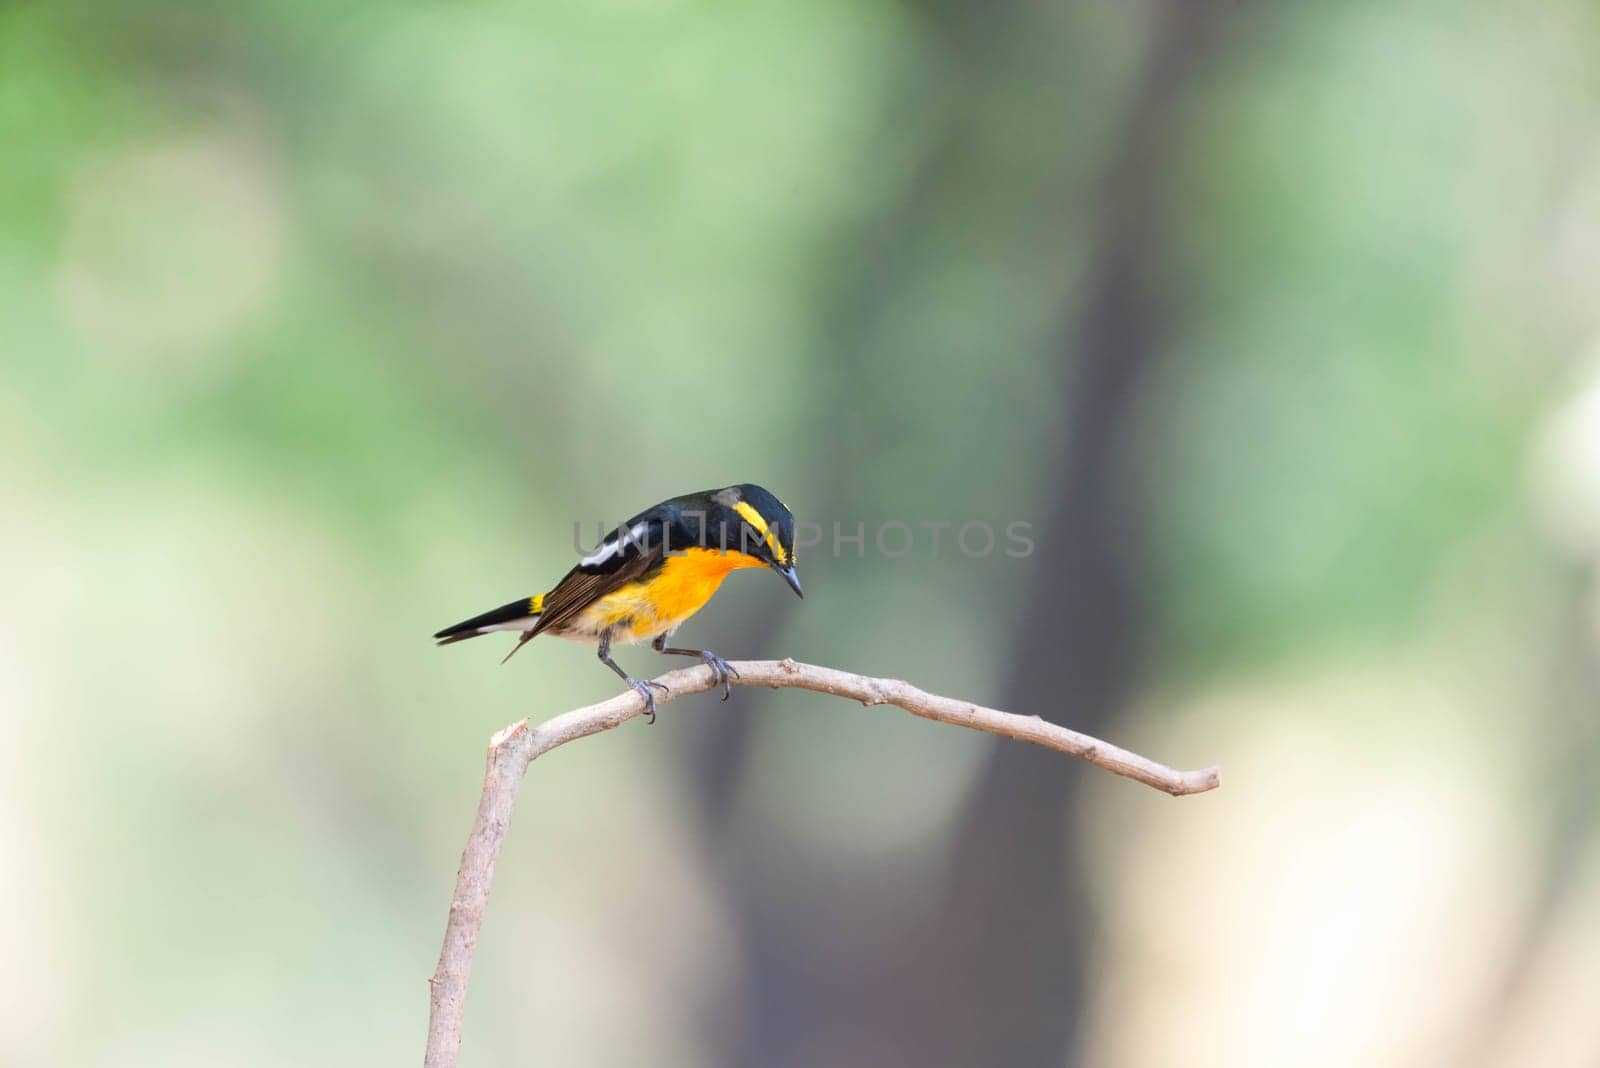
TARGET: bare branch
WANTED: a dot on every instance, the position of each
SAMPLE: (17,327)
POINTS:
(516,746)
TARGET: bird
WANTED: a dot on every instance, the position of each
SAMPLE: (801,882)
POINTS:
(649,575)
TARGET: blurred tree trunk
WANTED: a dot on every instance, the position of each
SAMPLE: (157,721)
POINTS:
(999,978)
(1017,923)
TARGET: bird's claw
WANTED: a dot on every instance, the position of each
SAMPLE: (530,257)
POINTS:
(721,671)
(643,690)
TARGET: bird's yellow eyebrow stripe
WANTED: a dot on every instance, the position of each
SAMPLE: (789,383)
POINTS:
(748,512)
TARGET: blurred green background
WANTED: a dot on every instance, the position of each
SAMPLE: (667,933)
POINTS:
(320,325)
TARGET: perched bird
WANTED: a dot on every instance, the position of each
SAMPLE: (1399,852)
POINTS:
(649,575)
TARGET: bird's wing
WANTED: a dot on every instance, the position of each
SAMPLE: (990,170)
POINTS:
(625,554)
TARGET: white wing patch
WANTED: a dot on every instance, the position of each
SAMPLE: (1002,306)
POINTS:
(615,543)
(525,623)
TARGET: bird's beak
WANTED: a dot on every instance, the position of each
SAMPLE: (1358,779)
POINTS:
(793,580)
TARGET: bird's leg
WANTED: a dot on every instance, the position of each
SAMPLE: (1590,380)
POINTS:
(642,688)
(721,670)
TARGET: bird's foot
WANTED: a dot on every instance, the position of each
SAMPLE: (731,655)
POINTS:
(721,670)
(643,690)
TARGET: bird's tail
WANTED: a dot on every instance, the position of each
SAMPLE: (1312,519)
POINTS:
(518,615)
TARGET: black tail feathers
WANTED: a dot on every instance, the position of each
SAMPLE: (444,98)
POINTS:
(506,613)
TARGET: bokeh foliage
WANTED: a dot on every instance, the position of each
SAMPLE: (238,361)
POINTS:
(322,324)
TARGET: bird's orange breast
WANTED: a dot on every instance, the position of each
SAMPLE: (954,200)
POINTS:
(661,602)
(687,582)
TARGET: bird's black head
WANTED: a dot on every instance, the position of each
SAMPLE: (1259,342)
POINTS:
(749,520)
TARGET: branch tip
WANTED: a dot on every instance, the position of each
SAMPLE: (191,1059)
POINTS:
(506,733)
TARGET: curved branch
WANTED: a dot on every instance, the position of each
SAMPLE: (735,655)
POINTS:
(515,747)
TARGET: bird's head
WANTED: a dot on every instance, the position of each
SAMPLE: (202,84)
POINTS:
(749,520)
